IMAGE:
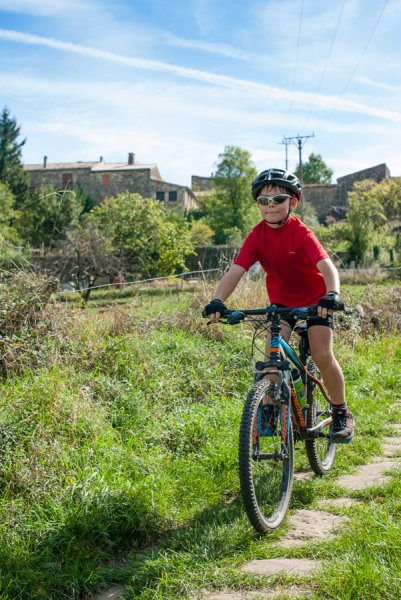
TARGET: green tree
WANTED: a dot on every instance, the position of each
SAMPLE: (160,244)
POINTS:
(201,234)
(366,221)
(388,192)
(7,214)
(12,255)
(47,216)
(151,241)
(314,170)
(11,171)
(310,216)
(84,199)
(230,207)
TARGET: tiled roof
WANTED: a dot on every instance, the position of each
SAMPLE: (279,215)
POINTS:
(60,166)
(120,167)
(93,166)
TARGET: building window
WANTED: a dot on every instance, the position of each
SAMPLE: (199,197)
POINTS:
(172,196)
(67,181)
(106,180)
(160,196)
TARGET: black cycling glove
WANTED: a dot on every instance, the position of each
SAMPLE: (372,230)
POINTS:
(213,307)
(330,300)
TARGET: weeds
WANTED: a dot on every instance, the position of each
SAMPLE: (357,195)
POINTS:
(121,440)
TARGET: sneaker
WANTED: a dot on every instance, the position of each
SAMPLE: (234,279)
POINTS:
(269,419)
(343,425)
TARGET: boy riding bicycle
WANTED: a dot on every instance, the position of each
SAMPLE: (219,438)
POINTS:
(299,272)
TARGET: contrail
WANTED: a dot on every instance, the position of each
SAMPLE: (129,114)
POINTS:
(304,98)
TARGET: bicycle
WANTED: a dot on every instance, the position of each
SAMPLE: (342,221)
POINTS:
(275,415)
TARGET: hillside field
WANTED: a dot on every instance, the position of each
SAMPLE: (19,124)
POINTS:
(118,453)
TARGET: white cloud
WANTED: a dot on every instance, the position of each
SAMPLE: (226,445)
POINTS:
(395,89)
(210,47)
(269,92)
(43,7)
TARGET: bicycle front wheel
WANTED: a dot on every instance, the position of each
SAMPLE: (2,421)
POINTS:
(321,450)
(266,459)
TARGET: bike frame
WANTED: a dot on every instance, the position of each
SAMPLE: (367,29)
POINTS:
(281,357)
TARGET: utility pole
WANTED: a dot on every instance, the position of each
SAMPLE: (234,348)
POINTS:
(286,142)
(300,141)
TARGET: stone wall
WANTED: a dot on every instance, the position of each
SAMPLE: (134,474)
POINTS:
(202,184)
(211,257)
(106,184)
(377,173)
(172,194)
(56,178)
(102,183)
(99,185)
(325,198)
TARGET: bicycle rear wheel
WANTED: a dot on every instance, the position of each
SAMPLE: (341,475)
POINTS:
(321,450)
(266,462)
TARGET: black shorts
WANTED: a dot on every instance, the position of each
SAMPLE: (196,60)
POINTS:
(326,322)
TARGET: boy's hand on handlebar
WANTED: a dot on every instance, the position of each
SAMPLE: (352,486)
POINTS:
(330,301)
(214,310)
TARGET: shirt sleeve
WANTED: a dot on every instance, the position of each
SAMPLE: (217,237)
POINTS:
(247,256)
(313,248)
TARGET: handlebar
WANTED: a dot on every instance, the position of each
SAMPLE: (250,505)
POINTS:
(300,312)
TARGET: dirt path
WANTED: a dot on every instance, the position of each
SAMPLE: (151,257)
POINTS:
(306,525)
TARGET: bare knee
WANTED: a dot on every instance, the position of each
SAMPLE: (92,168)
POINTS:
(324,359)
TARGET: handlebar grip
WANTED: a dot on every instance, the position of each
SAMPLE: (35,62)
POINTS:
(234,317)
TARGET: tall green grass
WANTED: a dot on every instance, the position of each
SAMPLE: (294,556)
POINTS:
(118,458)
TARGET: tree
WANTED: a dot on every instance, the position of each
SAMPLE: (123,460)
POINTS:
(201,234)
(48,215)
(84,199)
(314,170)
(388,192)
(230,206)
(7,214)
(82,258)
(149,240)
(366,221)
(12,255)
(11,171)
(310,216)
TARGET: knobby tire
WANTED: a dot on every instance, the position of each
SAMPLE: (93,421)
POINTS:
(321,451)
(266,485)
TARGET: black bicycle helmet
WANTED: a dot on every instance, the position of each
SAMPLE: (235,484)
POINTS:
(276,177)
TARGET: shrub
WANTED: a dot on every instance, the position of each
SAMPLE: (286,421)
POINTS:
(23,298)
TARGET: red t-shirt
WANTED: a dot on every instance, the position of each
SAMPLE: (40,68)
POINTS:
(289,256)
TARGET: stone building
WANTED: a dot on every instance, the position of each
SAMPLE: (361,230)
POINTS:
(202,184)
(377,173)
(328,200)
(101,180)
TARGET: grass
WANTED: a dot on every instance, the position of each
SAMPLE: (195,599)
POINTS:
(118,461)
(144,294)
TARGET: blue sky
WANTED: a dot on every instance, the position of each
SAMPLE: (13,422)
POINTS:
(176,81)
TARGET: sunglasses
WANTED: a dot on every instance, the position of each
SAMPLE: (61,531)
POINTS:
(277,199)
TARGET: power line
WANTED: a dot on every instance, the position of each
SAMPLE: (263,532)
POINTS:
(333,39)
(358,62)
(296,62)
